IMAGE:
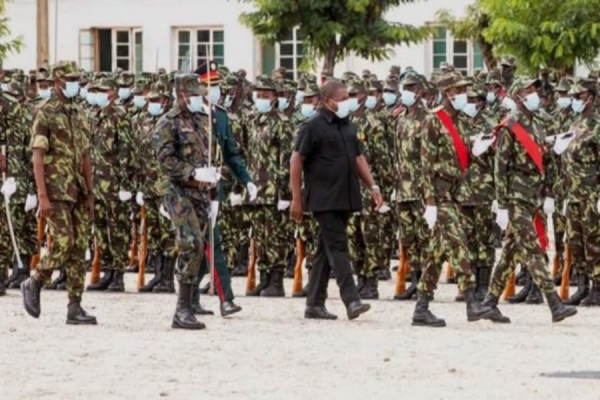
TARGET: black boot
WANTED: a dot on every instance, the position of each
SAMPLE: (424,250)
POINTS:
(484,275)
(275,286)
(369,291)
(117,284)
(167,282)
(492,302)
(521,278)
(228,307)
(476,311)
(361,281)
(31,290)
(356,308)
(61,279)
(583,289)
(558,309)
(264,281)
(184,317)
(289,271)
(318,312)
(158,275)
(103,283)
(242,268)
(14,274)
(593,298)
(384,274)
(534,296)
(422,316)
(77,315)
(409,293)
(523,293)
(197,308)
(23,273)
(2,284)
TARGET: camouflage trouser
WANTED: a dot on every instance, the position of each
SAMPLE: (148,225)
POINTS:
(521,245)
(307,232)
(112,232)
(560,224)
(160,238)
(25,229)
(448,242)
(479,228)
(189,218)
(271,232)
(584,237)
(377,232)
(68,226)
(234,225)
(414,235)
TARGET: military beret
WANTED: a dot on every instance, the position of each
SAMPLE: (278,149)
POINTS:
(450,80)
(65,69)
(208,72)
(264,83)
(522,82)
(188,82)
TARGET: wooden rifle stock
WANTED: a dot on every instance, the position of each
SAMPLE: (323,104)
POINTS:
(133,251)
(300,255)
(143,249)
(95,275)
(251,281)
(566,274)
(450,274)
(510,288)
(555,266)
(403,270)
(41,227)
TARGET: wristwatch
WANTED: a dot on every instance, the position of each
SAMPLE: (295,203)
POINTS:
(375,187)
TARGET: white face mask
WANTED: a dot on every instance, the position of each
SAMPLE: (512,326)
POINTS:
(45,93)
(307,110)
(470,109)
(532,102)
(352,105)
(102,99)
(460,101)
(578,106)
(124,93)
(371,102)
(490,97)
(139,101)
(214,94)
(563,102)
(195,104)
(91,99)
(408,98)
(71,89)
(83,93)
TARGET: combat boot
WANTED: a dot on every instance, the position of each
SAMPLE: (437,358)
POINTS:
(422,316)
(77,315)
(361,281)
(410,291)
(2,284)
(196,307)
(492,302)
(275,286)
(61,279)
(370,291)
(583,289)
(117,284)
(184,318)
(593,298)
(484,275)
(31,290)
(384,274)
(558,309)
(289,271)
(264,281)
(228,307)
(167,282)
(14,274)
(523,293)
(158,275)
(534,296)
(103,283)
(242,268)
(522,277)
(476,311)
(23,273)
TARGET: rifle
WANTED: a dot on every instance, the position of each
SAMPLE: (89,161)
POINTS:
(402,272)
(95,275)
(143,249)
(300,256)
(13,239)
(41,227)
(566,274)
(251,281)
(510,286)
(555,266)
(133,249)
(450,274)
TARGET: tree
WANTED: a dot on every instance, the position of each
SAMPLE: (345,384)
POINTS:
(471,27)
(7,46)
(359,25)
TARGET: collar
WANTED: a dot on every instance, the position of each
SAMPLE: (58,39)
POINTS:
(328,115)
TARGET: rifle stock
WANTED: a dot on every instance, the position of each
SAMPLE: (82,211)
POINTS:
(41,227)
(402,271)
(133,250)
(450,274)
(555,266)
(95,275)
(566,275)
(143,249)
(300,255)
(251,281)
(510,288)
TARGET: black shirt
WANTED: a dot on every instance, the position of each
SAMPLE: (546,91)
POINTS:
(330,147)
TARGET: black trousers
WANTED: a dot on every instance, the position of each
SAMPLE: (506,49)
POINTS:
(331,253)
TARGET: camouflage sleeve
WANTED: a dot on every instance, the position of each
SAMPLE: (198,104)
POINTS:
(172,166)
(428,157)
(137,158)
(285,154)
(40,132)
(126,153)
(501,166)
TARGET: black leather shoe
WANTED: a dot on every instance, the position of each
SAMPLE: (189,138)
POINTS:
(31,290)
(197,309)
(77,316)
(356,308)
(318,312)
(228,308)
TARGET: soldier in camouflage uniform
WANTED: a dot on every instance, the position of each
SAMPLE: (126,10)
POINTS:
(63,175)
(125,81)
(508,65)
(444,160)
(409,195)
(521,179)
(113,153)
(269,151)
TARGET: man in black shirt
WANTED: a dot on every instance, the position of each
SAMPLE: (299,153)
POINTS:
(328,152)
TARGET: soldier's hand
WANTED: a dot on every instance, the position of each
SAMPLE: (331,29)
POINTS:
(377,197)
(45,207)
(296,210)
(89,202)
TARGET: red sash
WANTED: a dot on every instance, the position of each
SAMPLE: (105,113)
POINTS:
(462,152)
(540,228)
(397,111)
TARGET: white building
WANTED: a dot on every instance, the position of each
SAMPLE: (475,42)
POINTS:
(143,35)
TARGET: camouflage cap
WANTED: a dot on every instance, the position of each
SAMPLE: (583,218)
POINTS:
(494,77)
(162,71)
(158,89)
(435,77)
(223,70)
(508,61)
(588,84)
(265,83)
(348,76)
(522,82)
(365,73)
(391,83)
(446,67)
(241,73)
(289,85)
(43,76)
(312,89)
(374,84)
(411,79)
(190,83)
(476,90)
(126,79)
(141,84)
(355,85)
(65,69)
(576,89)
(230,81)
(564,85)
(372,77)
(451,80)
(594,74)
(107,83)
(395,70)
(279,73)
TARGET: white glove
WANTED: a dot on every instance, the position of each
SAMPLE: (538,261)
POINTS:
(384,209)
(482,144)
(164,212)
(283,205)
(139,198)
(30,202)
(393,197)
(562,142)
(235,199)
(431,213)
(548,205)
(598,206)
(502,218)
(88,255)
(9,187)
(125,196)
(565,205)
(207,175)
(495,206)
(214,212)
(252,191)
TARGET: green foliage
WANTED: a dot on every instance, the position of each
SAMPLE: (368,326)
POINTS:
(360,24)
(8,46)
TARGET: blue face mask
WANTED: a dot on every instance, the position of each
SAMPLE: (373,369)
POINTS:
(343,109)
(352,104)
(83,93)
(214,94)
(308,110)
(532,102)
(283,103)
(577,106)
(408,98)
(71,89)
(490,97)
(389,98)
(124,93)
(371,102)
(563,102)
(254,96)
(228,101)
(299,97)
(460,101)
(91,99)
(195,104)
(155,109)
(263,105)
(102,99)
(139,101)
(45,93)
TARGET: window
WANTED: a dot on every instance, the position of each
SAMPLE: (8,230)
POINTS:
(289,53)
(107,49)
(122,49)
(87,50)
(138,54)
(463,54)
(197,46)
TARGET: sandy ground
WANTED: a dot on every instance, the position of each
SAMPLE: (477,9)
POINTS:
(270,352)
